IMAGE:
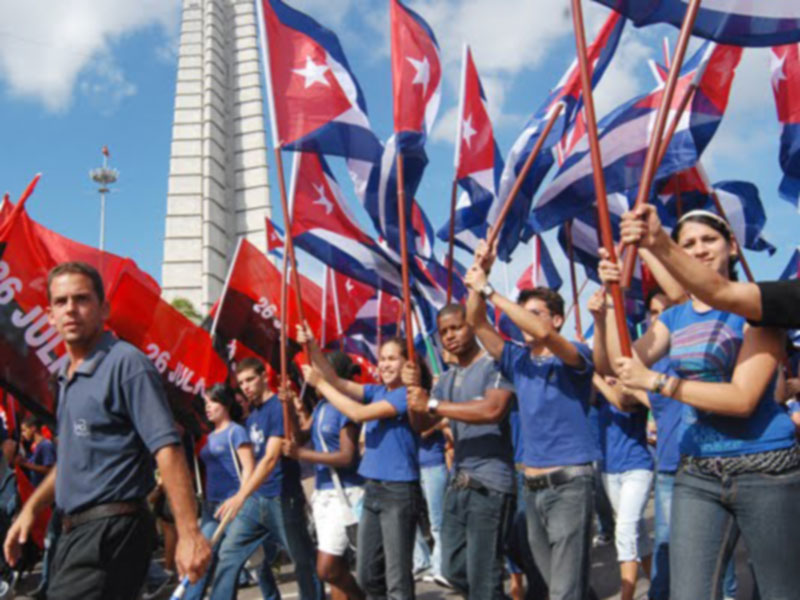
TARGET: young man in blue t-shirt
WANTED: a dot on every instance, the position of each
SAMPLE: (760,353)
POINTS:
(43,451)
(553,378)
(270,506)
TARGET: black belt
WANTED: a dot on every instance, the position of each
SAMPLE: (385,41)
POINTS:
(557,477)
(462,480)
(102,511)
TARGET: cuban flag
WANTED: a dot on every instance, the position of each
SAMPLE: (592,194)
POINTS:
(416,75)
(786,86)
(345,298)
(736,22)
(740,201)
(323,227)
(568,93)
(380,198)
(478,163)
(625,135)
(542,271)
(315,101)
(274,239)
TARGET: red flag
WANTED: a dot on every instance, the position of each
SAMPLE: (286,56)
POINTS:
(416,71)
(274,237)
(346,298)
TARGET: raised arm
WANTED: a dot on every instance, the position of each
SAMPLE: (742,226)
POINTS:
(490,339)
(668,284)
(643,227)
(597,308)
(755,367)
(318,360)
(353,410)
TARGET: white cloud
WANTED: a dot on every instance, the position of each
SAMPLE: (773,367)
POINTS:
(47,48)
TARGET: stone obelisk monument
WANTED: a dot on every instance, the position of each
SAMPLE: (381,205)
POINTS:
(218,188)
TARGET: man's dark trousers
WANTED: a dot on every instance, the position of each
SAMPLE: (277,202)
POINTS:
(104,559)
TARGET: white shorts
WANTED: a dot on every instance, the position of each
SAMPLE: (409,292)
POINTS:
(331,518)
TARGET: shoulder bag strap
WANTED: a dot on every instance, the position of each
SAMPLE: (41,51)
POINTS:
(234,456)
(337,483)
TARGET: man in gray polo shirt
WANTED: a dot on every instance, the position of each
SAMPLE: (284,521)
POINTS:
(113,418)
(479,501)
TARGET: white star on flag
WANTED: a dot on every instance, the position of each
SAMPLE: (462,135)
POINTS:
(326,204)
(468,131)
(423,74)
(777,71)
(348,285)
(313,73)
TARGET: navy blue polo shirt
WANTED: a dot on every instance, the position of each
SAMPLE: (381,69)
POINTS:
(554,404)
(264,422)
(112,417)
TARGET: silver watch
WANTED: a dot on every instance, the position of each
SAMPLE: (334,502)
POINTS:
(433,404)
(487,290)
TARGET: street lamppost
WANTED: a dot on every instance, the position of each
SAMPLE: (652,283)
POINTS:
(104,176)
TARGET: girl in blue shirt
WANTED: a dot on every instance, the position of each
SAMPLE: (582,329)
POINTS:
(228,461)
(334,448)
(740,466)
(392,498)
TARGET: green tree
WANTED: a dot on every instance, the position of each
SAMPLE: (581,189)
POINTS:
(185,307)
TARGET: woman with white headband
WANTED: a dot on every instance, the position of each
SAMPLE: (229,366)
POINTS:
(740,465)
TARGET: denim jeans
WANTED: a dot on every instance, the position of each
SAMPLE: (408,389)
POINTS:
(659,573)
(434,483)
(559,531)
(709,513)
(386,539)
(518,549)
(473,532)
(208,525)
(628,492)
(258,521)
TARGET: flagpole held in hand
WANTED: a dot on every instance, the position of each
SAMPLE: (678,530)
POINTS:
(537,148)
(574,280)
(604,218)
(184,584)
(654,154)
(401,217)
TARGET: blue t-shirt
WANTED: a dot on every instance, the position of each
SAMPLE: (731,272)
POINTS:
(516,431)
(431,450)
(328,421)
(704,347)
(44,455)
(222,474)
(264,422)
(112,417)
(553,401)
(623,438)
(391,446)
(669,424)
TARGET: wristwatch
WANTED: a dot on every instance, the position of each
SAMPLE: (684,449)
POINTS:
(487,290)
(433,404)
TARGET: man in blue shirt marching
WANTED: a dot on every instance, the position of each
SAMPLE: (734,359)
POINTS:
(270,506)
(112,417)
(553,378)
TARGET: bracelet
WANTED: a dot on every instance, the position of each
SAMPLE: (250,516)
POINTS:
(660,381)
(674,383)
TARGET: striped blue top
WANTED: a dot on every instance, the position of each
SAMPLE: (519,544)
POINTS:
(704,346)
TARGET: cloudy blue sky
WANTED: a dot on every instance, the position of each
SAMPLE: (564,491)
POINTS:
(78,74)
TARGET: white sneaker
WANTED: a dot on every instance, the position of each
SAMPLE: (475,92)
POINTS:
(441,581)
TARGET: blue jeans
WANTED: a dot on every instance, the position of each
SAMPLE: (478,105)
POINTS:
(659,573)
(386,539)
(709,513)
(559,532)
(208,526)
(474,528)
(518,550)
(434,483)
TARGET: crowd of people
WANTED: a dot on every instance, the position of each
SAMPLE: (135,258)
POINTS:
(509,452)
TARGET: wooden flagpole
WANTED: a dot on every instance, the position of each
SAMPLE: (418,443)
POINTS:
(401,217)
(324,307)
(574,280)
(537,148)
(654,149)
(604,218)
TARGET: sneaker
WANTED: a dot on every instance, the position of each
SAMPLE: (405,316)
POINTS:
(428,578)
(421,573)
(601,539)
(441,581)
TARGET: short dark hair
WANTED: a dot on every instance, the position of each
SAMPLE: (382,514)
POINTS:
(250,363)
(77,268)
(33,421)
(551,298)
(451,309)
(401,343)
(654,291)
